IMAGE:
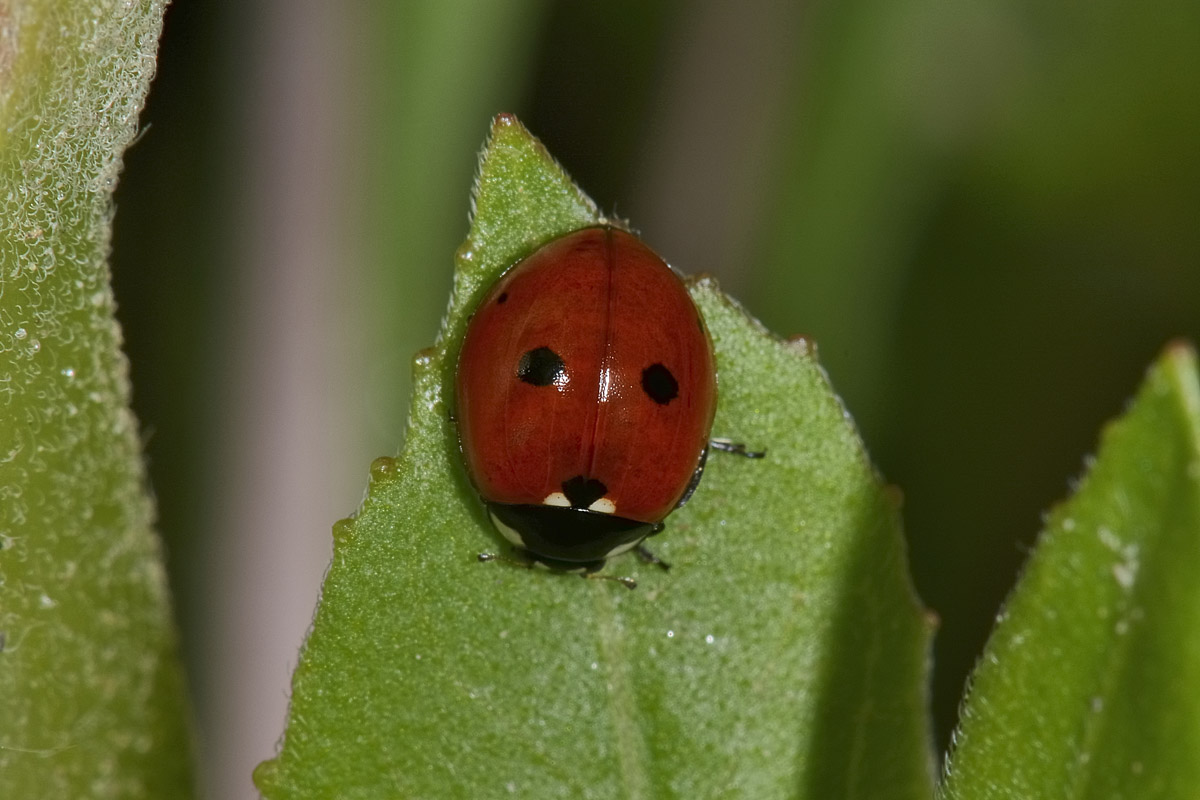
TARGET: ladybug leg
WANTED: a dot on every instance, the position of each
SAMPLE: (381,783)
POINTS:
(691,487)
(512,562)
(628,583)
(723,445)
(590,571)
(736,448)
(647,557)
(587,570)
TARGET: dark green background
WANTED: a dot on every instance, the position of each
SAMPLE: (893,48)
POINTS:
(988,217)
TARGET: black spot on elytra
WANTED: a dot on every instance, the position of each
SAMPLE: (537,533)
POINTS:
(582,492)
(502,298)
(541,367)
(659,384)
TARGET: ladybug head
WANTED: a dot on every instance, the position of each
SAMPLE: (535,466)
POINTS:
(570,535)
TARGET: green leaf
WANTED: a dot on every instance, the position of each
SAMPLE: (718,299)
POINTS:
(784,655)
(91,699)
(1088,687)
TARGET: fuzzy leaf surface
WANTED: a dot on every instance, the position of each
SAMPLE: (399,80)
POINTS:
(91,691)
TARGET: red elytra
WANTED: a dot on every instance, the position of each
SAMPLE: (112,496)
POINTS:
(585,395)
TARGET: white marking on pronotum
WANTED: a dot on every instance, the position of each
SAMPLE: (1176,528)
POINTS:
(604,506)
(508,532)
(622,548)
(557,499)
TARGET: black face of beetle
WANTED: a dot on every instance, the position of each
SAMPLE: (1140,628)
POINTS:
(572,537)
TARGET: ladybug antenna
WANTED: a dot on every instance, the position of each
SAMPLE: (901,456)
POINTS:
(736,448)
(628,583)
(648,557)
(512,562)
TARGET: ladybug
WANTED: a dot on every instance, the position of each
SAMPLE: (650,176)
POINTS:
(584,396)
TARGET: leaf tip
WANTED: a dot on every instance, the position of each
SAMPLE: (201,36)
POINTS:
(508,129)
(518,182)
(803,344)
(1180,349)
(504,126)
(505,119)
(1177,369)
(1180,355)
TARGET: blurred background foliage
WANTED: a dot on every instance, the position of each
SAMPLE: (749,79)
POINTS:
(987,214)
